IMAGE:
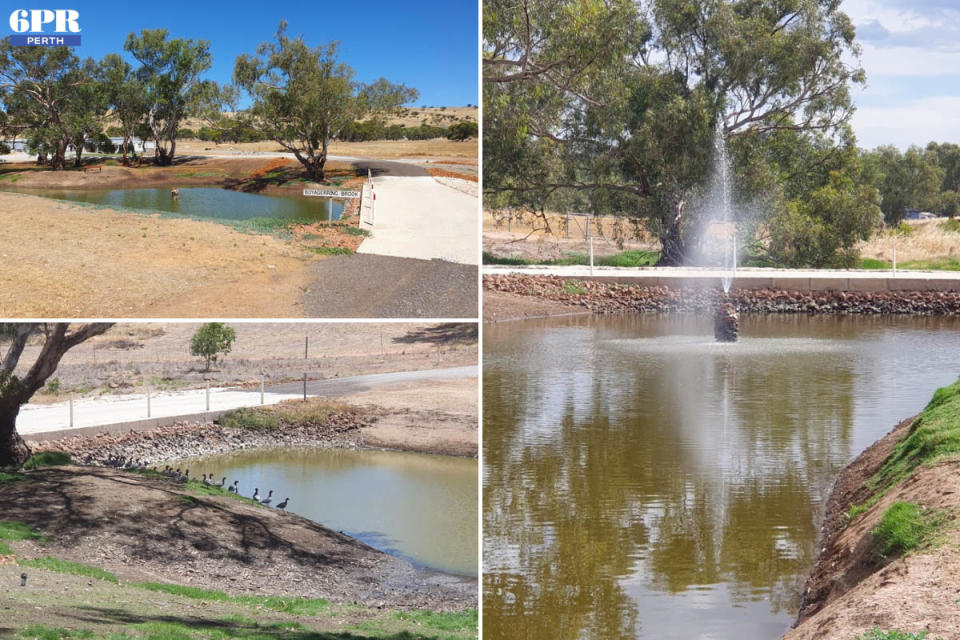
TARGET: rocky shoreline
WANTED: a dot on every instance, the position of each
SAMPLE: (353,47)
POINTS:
(605,298)
(340,430)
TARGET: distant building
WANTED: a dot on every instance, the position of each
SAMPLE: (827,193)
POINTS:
(914,214)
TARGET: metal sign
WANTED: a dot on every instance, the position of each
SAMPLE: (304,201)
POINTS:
(332,193)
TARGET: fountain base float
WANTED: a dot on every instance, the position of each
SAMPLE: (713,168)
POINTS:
(726,323)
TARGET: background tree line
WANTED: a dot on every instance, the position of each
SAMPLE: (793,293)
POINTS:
(614,107)
(302,98)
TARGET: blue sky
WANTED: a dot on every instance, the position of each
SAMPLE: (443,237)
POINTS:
(911,53)
(429,45)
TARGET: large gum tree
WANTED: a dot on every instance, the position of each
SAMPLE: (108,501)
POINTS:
(617,102)
(304,97)
(17,389)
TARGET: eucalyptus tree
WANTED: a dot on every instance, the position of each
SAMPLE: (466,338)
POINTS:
(304,97)
(171,71)
(47,94)
(17,389)
(127,95)
(634,111)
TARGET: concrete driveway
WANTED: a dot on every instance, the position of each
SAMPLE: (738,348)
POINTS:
(417,217)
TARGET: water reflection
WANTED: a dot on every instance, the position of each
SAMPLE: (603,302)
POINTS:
(418,506)
(203,202)
(642,481)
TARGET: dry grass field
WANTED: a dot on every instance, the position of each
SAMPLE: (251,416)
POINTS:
(926,240)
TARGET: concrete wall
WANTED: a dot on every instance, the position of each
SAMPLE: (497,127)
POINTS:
(125,427)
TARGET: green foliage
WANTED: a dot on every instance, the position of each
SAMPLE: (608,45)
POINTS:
(638,258)
(893,634)
(445,621)
(463,131)
(246,418)
(52,387)
(902,528)
(212,341)
(47,459)
(872,263)
(934,435)
(170,74)
(14,531)
(354,231)
(290,605)
(951,225)
(65,566)
(304,97)
(573,287)
(333,251)
(903,229)
(43,632)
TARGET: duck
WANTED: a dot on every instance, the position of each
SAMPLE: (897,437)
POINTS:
(268,499)
(256,494)
(205,481)
(283,505)
(223,482)
(233,488)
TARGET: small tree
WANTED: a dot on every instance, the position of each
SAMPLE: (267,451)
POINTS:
(211,341)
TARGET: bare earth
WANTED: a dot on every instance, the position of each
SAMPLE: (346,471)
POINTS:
(851,591)
(131,355)
(437,418)
(499,306)
(77,261)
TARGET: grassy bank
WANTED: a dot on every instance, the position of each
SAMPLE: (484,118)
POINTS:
(638,258)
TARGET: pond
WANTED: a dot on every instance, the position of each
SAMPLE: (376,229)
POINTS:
(203,202)
(421,507)
(642,481)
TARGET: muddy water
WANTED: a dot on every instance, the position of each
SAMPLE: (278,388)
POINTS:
(204,202)
(421,507)
(642,481)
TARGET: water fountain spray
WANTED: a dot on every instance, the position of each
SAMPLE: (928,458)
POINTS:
(726,321)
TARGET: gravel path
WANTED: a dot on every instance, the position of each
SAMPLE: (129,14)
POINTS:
(375,286)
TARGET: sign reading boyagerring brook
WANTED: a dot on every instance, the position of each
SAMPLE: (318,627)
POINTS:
(45,27)
(332,193)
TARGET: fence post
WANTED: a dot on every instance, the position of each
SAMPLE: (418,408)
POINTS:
(304,385)
(894,254)
(71,410)
(306,347)
(510,222)
(566,226)
(261,387)
(148,402)
(208,395)
(591,255)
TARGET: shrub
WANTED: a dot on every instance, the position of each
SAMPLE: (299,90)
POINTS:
(47,459)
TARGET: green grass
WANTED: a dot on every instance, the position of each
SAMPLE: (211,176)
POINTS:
(892,634)
(11,477)
(65,566)
(573,287)
(354,231)
(933,436)
(47,459)
(903,528)
(291,605)
(872,263)
(255,419)
(14,531)
(333,251)
(637,258)
(445,621)
(952,224)
(930,264)
(43,632)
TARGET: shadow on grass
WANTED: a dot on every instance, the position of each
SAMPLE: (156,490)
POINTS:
(441,334)
(161,627)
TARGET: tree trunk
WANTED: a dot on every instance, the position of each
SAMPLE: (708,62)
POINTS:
(77,158)
(13,450)
(672,246)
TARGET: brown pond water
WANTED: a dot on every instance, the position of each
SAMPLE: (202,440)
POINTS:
(642,481)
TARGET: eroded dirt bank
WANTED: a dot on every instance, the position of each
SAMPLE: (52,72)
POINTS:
(147,528)
(852,589)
